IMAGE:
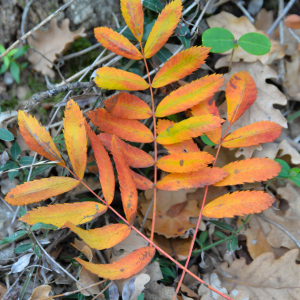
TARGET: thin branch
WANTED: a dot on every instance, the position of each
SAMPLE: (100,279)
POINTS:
(244,10)
(24,16)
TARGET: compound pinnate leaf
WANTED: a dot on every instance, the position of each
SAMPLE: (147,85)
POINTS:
(183,147)
(255,43)
(59,214)
(127,186)
(123,268)
(38,190)
(184,162)
(132,11)
(102,238)
(116,43)
(141,182)
(250,170)
(206,107)
(75,137)
(127,106)
(201,178)
(253,134)
(38,138)
(238,204)
(240,95)
(134,156)
(130,130)
(163,28)
(218,39)
(106,171)
(189,95)
(115,79)
(189,128)
(180,65)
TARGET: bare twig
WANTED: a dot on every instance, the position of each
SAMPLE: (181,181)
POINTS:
(67,57)
(244,10)
(24,16)
(25,36)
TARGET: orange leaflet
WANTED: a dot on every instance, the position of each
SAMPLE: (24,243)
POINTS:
(106,171)
(250,170)
(189,95)
(75,137)
(116,43)
(123,268)
(141,182)
(38,138)
(102,238)
(183,147)
(184,162)
(206,107)
(127,186)
(130,130)
(59,214)
(115,79)
(253,134)
(38,190)
(132,11)
(238,204)
(163,28)
(127,106)
(180,65)
(203,177)
(134,157)
(189,128)
(292,21)
(240,95)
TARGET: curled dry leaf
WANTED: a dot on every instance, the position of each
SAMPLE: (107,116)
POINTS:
(239,27)
(51,43)
(40,292)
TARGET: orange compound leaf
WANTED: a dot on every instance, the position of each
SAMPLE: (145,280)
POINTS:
(184,162)
(127,186)
(185,181)
(205,107)
(238,204)
(250,170)
(115,79)
(106,171)
(123,268)
(116,43)
(127,106)
(38,138)
(141,182)
(59,214)
(180,65)
(75,137)
(132,11)
(240,94)
(189,95)
(189,128)
(133,156)
(38,190)
(102,238)
(163,28)
(253,134)
(130,130)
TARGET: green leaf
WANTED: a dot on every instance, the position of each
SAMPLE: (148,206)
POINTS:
(293,116)
(22,212)
(3,69)
(6,135)
(26,160)
(222,225)
(13,174)
(184,35)
(296,180)
(141,297)
(173,118)
(6,61)
(40,225)
(220,234)
(163,54)
(154,5)
(2,49)
(147,30)
(13,237)
(285,168)
(15,71)
(23,248)
(255,43)
(206,140)
(202,238)
(219,39)
(168,272)
(12,52)
(232,244)
(15,151)
(37,251)
(294,172)
(20,52)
